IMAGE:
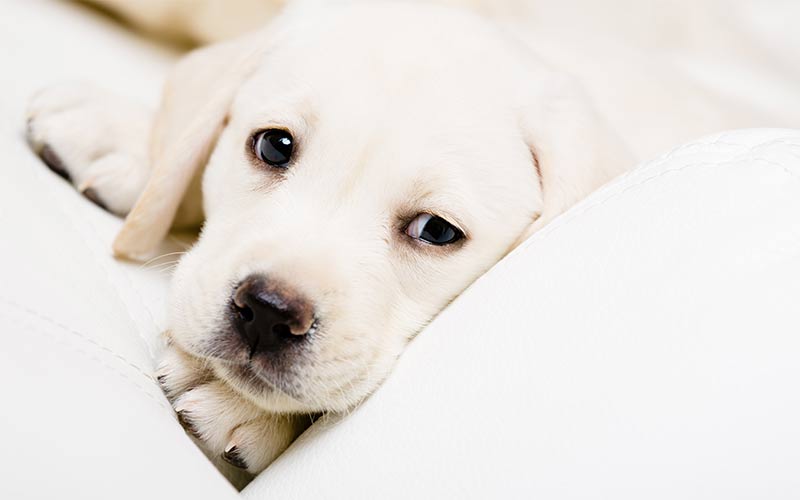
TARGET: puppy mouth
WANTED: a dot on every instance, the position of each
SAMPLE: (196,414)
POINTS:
(254,347)
(258,371)
(254,380)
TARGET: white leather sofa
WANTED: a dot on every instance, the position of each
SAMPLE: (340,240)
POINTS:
(644,345)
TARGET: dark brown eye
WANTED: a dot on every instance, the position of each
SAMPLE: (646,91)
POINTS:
(434,230)
(274,147)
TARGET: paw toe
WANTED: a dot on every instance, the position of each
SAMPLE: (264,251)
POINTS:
(53,162)
(94,140)
(92,195)
(187,424)
(233,457)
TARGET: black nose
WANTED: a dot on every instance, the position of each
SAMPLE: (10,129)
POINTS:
(269,316)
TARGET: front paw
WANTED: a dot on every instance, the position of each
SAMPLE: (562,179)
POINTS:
(227,427)
(96,140)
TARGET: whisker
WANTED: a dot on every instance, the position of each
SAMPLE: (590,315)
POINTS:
(159,257)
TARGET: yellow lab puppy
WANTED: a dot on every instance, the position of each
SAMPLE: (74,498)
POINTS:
(356,166)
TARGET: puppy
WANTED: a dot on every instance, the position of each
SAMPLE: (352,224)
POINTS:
(353,178)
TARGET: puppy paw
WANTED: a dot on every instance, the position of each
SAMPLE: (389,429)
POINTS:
(254,444)
(178,372)
(229,429)
(96,140)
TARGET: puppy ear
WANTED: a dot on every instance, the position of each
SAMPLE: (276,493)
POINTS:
(194,107)
(574,149)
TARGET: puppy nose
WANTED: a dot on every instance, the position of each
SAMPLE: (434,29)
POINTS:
(270,316)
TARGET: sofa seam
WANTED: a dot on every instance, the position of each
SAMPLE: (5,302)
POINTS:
(75,333)
(99,241)
(163,405)
(69,212)
(544,234)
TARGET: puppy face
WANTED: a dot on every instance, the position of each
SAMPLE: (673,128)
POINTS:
(366,175)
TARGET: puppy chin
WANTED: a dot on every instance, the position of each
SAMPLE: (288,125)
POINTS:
(266,383)
(283,396)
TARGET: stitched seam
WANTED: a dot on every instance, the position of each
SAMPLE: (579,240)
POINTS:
(101,258)
(145,306)
(630,188)
(542,235)
(88,341)
(69,211)
(26,310)
(673,154)
(143,303)
(720,140)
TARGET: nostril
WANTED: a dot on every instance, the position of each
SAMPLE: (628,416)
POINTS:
(245,313)
(282,330)
(269,316)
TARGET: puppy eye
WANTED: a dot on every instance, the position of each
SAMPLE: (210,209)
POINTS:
(434,230)
(274,147)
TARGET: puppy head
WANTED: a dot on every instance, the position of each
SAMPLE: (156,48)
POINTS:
(375,160)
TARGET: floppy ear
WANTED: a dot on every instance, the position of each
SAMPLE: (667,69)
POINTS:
(575,150)
(195,103)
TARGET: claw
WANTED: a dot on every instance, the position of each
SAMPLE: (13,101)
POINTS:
(91,195)
(53,162)
(187,424)
(162,384)
(232,456)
